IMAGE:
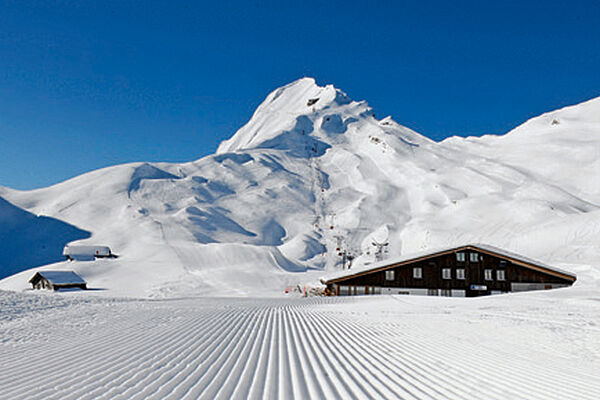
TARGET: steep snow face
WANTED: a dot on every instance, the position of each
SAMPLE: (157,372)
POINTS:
(313,180)
(280,112)
(27,240)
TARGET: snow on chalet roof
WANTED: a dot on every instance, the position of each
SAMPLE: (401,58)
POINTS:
(61,277)
(433,252)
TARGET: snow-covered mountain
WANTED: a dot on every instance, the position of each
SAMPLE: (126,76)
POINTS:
(314,175)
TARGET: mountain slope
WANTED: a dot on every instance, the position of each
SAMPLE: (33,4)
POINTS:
(28,241)
(313,175)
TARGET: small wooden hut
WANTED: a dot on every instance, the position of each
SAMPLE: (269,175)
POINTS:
(55,280)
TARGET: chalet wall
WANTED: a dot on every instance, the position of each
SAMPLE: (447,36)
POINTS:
(474,274)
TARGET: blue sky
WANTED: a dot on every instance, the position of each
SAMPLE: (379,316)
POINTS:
(85,85)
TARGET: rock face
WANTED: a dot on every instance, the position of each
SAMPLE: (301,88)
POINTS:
(314,180)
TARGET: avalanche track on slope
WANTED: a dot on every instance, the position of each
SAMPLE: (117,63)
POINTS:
(396,347)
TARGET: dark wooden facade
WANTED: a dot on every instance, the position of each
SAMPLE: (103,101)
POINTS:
(469,271)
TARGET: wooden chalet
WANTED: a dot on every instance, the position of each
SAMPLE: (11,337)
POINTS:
(465,271)
(55,280)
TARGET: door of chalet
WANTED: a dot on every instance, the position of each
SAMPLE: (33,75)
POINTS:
(475,279)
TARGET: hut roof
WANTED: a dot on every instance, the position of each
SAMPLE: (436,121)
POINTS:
(75,250)
(60,277)
(408,258)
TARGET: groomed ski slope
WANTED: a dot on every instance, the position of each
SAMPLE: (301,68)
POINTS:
(526,346)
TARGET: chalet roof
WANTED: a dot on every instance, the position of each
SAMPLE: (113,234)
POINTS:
(408,258)
(60,277)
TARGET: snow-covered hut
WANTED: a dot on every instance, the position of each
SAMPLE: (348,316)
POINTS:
(72,252)
(54,280)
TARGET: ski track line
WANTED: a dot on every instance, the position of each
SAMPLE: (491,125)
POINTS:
(108,359)
(340,380)
(259,379)
(521,375)
(308,365)
(417,372)
(158,385)
(375,386)
(353,370)
(249,335)
(66,357)
(164,362)
(419,388)
(104,362)
(239,380)
(213,378)
(414,353)
(120,374)
(526,374)
(515,360)
(148,360)
(254,348)
(403,383)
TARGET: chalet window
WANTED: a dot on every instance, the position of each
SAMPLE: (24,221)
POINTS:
(488,275)
(390,275)
(474,257)
(503,263)
(446,273)
(460,273)
(460,257)
(418,273)
(501,275)
(446,292)
(432,292)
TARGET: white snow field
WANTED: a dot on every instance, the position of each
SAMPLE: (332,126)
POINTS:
(193,307)
(533,346)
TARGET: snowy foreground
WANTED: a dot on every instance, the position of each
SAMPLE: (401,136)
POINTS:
(543,345)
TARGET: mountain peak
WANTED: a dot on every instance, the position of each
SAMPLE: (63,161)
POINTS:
(281,111)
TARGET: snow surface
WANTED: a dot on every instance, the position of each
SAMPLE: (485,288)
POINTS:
(297,182)
(270,209)
(541,345)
